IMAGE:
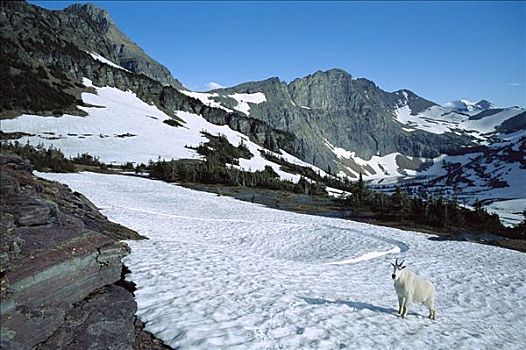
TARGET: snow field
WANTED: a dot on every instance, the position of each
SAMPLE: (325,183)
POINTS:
(489,123)
(430,120)
(218,273)
(243,100)
(383,166)
(439,120)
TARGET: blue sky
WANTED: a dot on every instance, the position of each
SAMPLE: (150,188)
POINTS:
(440,50)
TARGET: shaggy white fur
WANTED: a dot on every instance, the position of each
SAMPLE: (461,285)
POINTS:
(411,288)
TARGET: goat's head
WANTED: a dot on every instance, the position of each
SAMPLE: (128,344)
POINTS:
(397,269)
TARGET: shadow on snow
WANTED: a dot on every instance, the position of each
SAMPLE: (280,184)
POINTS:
(358,305)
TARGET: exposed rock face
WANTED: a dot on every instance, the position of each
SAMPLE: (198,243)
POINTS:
(116,46)
(90,29)
(350,113)
(106,322)
(60,258)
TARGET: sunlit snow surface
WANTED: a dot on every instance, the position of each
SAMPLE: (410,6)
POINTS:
(218,273)
(243,101)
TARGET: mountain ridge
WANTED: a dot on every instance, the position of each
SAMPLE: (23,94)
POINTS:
(351,103)
(123,51)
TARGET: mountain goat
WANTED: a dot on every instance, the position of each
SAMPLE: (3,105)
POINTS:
(411,288)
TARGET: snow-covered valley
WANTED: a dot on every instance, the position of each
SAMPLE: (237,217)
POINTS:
(221,273)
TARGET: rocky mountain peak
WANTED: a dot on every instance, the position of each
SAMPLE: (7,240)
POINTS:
(92,13)
(468,106)
(115,45)
(333,74)
(484,104)
(329,89)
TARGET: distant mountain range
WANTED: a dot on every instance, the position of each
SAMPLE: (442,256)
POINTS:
(468,106)
(53,61)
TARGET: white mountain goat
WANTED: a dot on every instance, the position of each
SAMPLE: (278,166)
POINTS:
(411,288)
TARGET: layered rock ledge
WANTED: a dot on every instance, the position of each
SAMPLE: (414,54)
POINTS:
(61,281)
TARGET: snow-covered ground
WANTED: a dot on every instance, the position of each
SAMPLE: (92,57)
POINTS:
(218,273)
(377,167)
(431,120)
(206,99)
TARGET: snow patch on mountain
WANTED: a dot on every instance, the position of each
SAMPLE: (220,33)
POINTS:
(439,120)
(105,60)
(495,174)
(243,100)
(435,119)
(490,123)
(206,99)
(468,106)
(510,212)
(377,167)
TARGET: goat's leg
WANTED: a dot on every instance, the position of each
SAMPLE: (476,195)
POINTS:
(433,313)
(432,310)
(405,308)
(400,303)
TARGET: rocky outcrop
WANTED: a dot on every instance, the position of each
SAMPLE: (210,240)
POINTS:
(60,260)
(115,45)
(106,322)
(84,26)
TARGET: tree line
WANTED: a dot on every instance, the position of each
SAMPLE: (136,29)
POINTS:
(51,158)
(435,211)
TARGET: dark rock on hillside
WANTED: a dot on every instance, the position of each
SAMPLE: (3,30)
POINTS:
(484,104)
(102,320)
(513,124)
(416,103)
(60,258)
(87,27)
(486,113)
(113,44)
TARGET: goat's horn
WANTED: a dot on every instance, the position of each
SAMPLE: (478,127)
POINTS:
(396,261)
(402,262)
